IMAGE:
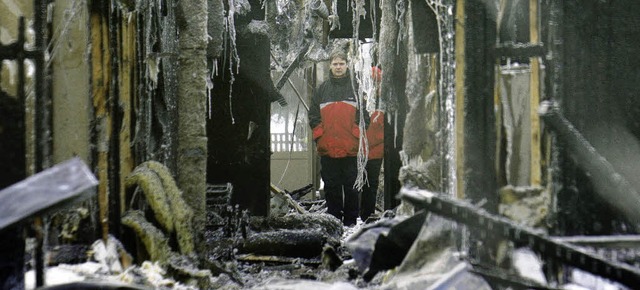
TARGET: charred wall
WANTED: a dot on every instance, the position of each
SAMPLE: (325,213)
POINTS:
(479,119)
(598,95)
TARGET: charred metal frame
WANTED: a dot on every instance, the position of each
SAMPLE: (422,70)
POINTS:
(42,81)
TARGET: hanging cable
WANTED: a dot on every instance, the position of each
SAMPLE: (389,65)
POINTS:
(293,137)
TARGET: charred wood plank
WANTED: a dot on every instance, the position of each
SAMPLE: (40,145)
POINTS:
(49,190)
(463,212)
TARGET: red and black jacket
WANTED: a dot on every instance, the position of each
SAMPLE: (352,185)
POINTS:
(375,135)
(334,117)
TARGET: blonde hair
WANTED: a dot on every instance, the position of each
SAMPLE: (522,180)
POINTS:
(338,54)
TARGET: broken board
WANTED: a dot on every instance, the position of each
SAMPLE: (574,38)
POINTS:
(49,190)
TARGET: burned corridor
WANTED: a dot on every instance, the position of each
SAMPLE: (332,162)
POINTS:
(166,139)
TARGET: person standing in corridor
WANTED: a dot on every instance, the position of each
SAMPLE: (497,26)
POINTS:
(333,116)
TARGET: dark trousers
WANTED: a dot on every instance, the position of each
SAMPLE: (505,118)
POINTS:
(370,190)
(339,176)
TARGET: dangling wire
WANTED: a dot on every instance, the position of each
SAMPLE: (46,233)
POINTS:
(357,8)
(293,137)
(230,27)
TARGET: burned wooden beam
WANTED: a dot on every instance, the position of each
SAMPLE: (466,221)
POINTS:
(49,190)
(492,225)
